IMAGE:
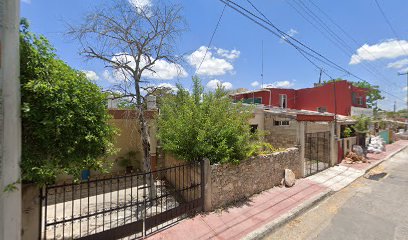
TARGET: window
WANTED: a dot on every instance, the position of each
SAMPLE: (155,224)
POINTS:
(360,100)
(254,127)
(252,100)
(322,109)
(281,123)
(354,98)
(283,98)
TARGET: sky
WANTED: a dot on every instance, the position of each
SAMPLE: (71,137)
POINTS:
(353,34)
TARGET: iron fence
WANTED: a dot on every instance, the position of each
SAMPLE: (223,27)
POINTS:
(317,152)
(128,206)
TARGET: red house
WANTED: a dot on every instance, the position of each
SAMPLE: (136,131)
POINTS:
(319,98)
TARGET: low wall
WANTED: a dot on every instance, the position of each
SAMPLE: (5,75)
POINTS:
(231,182)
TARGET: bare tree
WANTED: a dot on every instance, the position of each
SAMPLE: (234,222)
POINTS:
(130,40)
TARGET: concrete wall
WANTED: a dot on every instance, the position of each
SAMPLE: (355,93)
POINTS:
(10,122)
(313,127)
(280,136)
(182,178)
(232,182)
(127,140)
(258,119)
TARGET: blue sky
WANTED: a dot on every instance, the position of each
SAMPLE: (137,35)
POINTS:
(234,57)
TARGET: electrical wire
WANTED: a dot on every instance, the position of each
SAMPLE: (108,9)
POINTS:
(238,8)
(390,26)
(211,39)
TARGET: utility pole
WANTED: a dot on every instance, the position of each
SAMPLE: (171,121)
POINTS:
(395,106)
(320,77)
(262,65)
(10,122)
(406,121)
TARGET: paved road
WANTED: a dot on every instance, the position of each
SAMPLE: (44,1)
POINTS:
(367,209)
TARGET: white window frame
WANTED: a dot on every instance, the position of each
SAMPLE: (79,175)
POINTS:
(281,97)
(359,101)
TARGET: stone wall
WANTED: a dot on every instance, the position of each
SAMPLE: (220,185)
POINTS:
(231,182)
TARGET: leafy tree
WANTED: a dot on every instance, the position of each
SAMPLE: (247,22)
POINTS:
(131,39)
(373,94)
(362,124)
(64,118)
(204,125)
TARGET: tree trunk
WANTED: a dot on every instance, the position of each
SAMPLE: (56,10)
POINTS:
(145,139)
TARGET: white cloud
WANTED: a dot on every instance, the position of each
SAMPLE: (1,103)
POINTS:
(255,84)
(26,1)
(398,64)
(292,32)
(91,75)
(164,70)
(210,66)
(141,4)
(169,86)
(108,76)
(405,88)
(228,54)
(388,49)
(279,84)
(403,70)
(161,70)
(215,83)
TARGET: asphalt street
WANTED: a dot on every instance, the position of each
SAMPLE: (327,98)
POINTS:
(373,207)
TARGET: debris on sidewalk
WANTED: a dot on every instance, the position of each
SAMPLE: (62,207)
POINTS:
(376,146)
(353,157)
(289,178)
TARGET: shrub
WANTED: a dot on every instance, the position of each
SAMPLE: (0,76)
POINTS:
(64,117)
(205,125)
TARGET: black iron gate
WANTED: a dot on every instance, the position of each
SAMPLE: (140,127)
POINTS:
(317,152)
(131,206)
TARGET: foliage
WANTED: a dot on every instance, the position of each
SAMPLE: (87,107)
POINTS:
(204,125)
(262,148)
(64,118)
(347,132)
(130,39)
(362,124)
(129,159)
(373,94)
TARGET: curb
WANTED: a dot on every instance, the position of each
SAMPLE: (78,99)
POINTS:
(287,217)
(302,208)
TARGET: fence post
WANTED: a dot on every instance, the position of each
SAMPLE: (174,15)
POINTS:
(31,212)
(333,148)
(301,141)
(206,184)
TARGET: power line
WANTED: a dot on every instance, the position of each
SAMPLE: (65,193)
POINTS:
(374,68)
(286,37)
(390,25)
(335,38)
(211,39)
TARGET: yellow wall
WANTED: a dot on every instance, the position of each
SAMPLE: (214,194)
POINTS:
(127,140)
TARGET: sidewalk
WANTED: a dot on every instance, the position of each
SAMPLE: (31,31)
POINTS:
(266,211)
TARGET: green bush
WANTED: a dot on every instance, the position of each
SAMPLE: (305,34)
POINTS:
(64,117)
(347,132)
(262,148)
(205,125)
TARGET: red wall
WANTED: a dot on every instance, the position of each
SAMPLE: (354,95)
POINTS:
(312,98)
(271,98)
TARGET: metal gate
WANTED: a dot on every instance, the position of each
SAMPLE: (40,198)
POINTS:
(317,152)
(128,206)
